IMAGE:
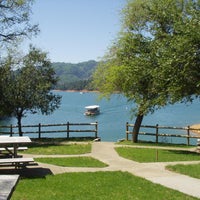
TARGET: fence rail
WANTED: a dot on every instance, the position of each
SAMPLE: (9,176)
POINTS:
(42,129)
(187,132)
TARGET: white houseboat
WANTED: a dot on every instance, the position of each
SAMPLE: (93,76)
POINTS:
(92,110)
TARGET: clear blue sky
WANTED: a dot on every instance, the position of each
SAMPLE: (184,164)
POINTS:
(76,30)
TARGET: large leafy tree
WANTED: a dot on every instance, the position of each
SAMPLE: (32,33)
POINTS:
(28,88)
(155,59)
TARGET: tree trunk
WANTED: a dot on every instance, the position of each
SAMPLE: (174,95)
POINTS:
(136,128)
(19,117)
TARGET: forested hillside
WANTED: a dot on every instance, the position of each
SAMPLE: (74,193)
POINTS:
(74,76)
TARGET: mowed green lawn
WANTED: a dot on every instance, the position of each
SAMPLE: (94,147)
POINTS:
(99,185)
(93,186)
(59,149)
(156,155)
(192,170)
(84,161)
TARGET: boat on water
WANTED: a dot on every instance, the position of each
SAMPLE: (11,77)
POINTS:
(92,110)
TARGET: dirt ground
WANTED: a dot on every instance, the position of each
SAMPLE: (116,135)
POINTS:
(195,126)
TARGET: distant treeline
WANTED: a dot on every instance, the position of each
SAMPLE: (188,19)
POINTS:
(74,76)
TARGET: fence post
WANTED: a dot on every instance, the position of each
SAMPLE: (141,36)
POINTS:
(188,135)
(156,133)
(39,130)
(67,129)
(11,130)
(127,129)
(96,130)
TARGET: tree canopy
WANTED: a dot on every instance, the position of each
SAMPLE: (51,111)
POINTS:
(15,21)
(155,58)
(28,89)
(25,81)
(14,27)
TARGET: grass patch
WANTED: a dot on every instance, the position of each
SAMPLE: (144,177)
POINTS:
(73,162)
(192,170)
(90,186)
(148,143)
(59,149)
(156,155)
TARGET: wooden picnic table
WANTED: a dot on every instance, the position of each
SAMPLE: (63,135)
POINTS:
(11,145)
(14,142)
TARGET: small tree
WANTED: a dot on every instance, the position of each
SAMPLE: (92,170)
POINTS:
(28,89)
(155,60)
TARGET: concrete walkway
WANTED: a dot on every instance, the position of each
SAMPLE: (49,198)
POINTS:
(154,172)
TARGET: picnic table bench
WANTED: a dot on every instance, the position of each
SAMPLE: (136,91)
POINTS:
(7,185)
(11,148)
(17,162)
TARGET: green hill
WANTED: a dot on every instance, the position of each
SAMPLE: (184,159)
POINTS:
(74,76)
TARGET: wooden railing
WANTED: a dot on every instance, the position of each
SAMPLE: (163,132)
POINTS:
(185,132)
(42,129)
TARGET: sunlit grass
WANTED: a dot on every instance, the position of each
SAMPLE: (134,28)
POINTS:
(59,149)
(154,144)
(94,186)
(192,170)
(72,161)
(156,155)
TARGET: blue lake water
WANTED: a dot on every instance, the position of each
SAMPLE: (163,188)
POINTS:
(114,114)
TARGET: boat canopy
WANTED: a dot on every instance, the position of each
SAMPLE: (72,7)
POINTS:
(91,107)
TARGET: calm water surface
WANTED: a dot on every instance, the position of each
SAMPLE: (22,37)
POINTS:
(114,114)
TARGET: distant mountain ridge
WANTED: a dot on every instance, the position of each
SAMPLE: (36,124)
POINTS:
(74,76)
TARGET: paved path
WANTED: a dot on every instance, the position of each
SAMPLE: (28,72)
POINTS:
(154,172)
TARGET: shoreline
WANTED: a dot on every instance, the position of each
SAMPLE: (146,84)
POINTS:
(83,91)
(195,126)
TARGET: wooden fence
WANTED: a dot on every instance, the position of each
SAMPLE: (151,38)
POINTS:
(42,129)
(185,132)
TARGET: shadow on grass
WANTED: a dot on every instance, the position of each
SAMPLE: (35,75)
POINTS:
(28,173)
(150,143)
(184,152)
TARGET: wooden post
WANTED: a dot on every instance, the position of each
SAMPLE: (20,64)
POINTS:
(188,135)
(39,130)
(96,130)
(11,130)
(127,131)
(67,129)
(156,155)
(156,133)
